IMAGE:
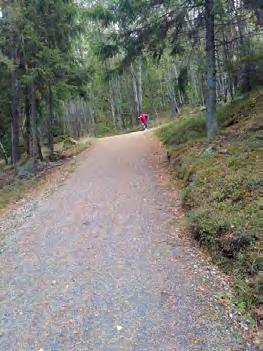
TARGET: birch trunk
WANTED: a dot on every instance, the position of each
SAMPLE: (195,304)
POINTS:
(118,101)
(139,84)
(4,153)
(135,91)
(92,117)
(112,104)
(211,120)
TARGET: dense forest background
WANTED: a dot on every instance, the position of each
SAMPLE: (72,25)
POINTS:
(91,67)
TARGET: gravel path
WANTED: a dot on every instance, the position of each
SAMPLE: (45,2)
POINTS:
(101,264)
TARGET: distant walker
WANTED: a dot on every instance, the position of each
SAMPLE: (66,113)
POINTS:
(144,117)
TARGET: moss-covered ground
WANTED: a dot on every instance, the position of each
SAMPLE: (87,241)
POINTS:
(221,182)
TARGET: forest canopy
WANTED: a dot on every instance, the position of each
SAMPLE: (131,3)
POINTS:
(91,67)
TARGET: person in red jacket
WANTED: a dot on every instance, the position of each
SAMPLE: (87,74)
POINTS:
(144,120)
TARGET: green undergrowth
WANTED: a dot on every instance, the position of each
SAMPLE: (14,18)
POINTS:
(107,129)
(220,182)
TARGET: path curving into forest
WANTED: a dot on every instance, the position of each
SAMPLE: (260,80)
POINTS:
(101,265)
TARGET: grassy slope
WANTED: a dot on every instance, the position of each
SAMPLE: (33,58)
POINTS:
(220,184)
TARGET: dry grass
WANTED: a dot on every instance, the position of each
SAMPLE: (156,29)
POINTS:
(12,188)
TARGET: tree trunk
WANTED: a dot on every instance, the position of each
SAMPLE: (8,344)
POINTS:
(246,67)
(33,125)
(176,80)
(118,102)
(171,80)
(174,108)
(50,125)
(259,16)
(139,84)
(27,124)
(2,148)
(211,120)
(112,103)
(39,150)
(14,119)
(173,101)
(135,91)
(202,91)
(91,112)
(228,58)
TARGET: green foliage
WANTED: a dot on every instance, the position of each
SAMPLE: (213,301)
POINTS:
(244,106)
(246,295)
(103,129)
(37,41)
(81,53)
(183,130)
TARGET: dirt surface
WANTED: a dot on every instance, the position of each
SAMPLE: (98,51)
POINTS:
(102,264)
